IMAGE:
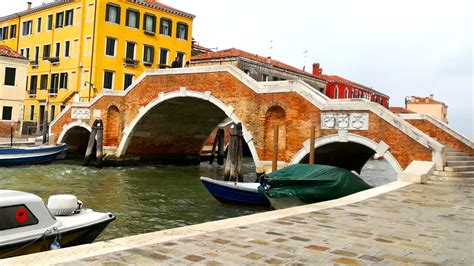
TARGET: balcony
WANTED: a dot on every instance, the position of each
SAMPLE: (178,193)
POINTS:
(54,61)
(34,64)
(32,93)
(130,62)
(148,64)
(149,32)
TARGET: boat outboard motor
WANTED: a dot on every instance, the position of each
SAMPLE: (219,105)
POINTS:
(64,205)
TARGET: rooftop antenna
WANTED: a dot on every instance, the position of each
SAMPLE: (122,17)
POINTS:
(305,56)
(271,48)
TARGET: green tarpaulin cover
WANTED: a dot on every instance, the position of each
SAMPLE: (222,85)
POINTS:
(313,183)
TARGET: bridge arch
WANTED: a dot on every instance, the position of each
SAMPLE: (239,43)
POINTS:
(275,115)
(351,138)
(76,135)
(183,93)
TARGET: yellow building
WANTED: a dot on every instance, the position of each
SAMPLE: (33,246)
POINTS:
(429,106)
(77,48)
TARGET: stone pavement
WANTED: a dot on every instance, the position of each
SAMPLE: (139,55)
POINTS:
(417,224)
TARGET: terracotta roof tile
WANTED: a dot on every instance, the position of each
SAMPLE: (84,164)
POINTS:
(400,110)
(153,2)
(421,100)
(233,52)
(9,52)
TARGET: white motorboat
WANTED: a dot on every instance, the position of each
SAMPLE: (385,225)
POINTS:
(27,225)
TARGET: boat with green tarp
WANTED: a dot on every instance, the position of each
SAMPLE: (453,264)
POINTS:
(300,184)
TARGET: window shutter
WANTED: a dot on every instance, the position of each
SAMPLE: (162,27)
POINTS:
(154,24)
(118,15)
(107,13)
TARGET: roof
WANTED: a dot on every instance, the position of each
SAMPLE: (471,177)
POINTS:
(400,110)
(234,53)
(36,9)
(423,100)
(335,78)
(6,51)
(163,7)
(201,48)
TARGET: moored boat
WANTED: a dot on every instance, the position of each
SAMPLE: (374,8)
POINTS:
(303,183)
(235,192)
(28,226)
(31,154)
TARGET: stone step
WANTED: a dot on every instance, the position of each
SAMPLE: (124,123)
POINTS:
(459,163)
(460,158)
(447,179)
(469,174)
(449,149)
(456,153)
(464,168)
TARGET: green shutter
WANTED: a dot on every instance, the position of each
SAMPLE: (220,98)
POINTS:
(118,15)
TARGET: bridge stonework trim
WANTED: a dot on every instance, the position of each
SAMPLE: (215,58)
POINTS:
(247,101)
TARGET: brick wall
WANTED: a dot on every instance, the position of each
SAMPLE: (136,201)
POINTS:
(5,129)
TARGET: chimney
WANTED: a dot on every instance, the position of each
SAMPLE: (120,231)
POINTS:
(431,96)
(29,5)
(317,70)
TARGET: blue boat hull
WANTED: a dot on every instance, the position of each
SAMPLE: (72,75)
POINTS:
(30,155)
(235,195)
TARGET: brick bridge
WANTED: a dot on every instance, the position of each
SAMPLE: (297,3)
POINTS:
(166,115)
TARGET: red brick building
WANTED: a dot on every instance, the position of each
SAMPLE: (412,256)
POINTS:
(340,88)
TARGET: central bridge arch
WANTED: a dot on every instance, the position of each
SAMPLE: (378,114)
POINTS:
(176,125)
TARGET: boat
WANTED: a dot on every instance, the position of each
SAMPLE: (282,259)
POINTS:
(27,225)
(12,155)
(241,193)
(301,184)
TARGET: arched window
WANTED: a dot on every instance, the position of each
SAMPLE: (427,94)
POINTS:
(336,92)
(346,93)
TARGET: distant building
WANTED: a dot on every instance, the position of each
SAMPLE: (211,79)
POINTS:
(198,49)
(400,110)
(427,105)
(13,73)
(258,67)
(340,88)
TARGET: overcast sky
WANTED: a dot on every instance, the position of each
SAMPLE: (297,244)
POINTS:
(401,48)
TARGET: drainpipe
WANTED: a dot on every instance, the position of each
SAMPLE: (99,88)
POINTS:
(92,49)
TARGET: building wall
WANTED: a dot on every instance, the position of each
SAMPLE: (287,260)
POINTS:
(352,92)
(438,111)
(12,96)
(87,61)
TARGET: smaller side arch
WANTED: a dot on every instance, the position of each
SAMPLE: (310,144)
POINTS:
(71,125)
(350,138)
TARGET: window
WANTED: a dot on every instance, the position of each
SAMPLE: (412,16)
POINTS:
(27,28)
(37,51)
(336,92)
(10,75)
(165,26)
(69,17)
(13,31)
(57,49)
(130,50)
(32,112)
(59,19)
(149,23)
(61,107)
(108,79)
(132,19)
(4,33)
(27,53)
(110,46)
(163,57)
(38,25)
(346,93)
(50,22)
(67,48)
(54,83)
(246,71)
(51,112)
(182,31)
(180,56)
(127,80)
(7,113)
(112,14)
(63,80)
(33,84)
(148,54)
(44,82)
(46,51)
(353,94)
(265,77)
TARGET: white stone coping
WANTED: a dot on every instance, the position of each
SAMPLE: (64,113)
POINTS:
(120,244)
(417,171)
(445,127)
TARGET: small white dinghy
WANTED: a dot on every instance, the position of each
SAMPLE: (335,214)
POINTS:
(28,226)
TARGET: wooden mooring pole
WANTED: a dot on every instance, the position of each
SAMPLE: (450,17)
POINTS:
(233,164)
(311,144)
(275,148)
(90,144)
(100,143)
(220,146)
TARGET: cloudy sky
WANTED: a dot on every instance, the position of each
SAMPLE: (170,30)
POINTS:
(401,48)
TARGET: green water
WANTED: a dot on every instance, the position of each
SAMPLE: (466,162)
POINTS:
(143,198)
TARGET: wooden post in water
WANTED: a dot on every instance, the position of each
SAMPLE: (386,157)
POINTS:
(213,150)
(233,164)
(311,145)
(220,146)
(100,144)
(11,135)
(90,144)
(275,148)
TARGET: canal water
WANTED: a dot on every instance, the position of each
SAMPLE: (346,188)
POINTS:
(146,198)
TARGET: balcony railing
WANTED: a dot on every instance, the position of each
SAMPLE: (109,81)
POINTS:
(32,93)
(34,64)
(130,62)
(54,61)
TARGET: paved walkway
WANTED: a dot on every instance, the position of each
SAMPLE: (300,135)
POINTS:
(420,224)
